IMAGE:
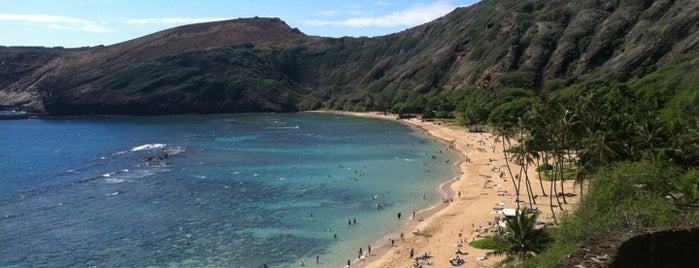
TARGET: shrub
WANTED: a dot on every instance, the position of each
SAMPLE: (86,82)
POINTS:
(490,243)
(629,195)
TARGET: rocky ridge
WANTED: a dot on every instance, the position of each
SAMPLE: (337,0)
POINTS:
(262,64)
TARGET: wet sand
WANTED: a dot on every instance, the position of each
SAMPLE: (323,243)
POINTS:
(478,194)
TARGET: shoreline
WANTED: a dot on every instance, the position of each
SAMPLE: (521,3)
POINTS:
(409,228)
(382,246)
(478,193)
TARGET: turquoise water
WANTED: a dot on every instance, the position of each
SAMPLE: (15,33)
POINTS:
(217,190)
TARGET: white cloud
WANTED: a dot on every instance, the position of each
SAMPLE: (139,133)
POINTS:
(172,20)
(381,3)
(57,22)
(329,13)
(414,15)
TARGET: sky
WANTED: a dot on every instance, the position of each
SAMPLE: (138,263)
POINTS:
(79,23)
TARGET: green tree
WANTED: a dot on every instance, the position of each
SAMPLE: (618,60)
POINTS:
(474,106)
(523,239)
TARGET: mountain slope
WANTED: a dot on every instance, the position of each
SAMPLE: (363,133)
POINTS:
(262,64)
(66,81)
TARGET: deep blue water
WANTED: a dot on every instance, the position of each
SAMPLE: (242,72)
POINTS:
(216,190)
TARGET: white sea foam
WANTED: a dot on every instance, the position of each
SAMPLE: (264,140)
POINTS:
(113,193)
(148,146)
(114,180)
(289,127)
(126,175)
(173,150)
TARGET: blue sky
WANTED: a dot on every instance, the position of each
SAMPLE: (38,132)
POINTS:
(76,23)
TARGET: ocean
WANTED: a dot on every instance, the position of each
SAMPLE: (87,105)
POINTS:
(240,190)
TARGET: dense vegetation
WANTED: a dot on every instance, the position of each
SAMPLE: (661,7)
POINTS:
(633,144)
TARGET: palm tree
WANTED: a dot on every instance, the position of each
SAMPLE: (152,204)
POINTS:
(557,155)
(538,120)
(650,136)
(599,148)
(546,167)
(580,176)
(536,155)
(536,124)
(565,127)
(528,154)
(524,157)
(524,240)
(528,159)
(505,135)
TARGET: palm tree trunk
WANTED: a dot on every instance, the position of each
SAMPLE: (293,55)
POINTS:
(552,183)
(509,170)
(563,193)
(530,191)
(580,178)
(541,183)
(519,184)
(554,178)
(525,161)
(553,213)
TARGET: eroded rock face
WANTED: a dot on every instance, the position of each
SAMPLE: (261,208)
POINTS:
(643,248)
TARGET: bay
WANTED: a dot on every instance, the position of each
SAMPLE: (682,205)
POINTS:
(209,190)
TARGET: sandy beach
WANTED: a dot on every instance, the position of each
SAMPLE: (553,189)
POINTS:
(477,196)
